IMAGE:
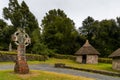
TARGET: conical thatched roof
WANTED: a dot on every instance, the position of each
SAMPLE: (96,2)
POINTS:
(87,49)
(115,53)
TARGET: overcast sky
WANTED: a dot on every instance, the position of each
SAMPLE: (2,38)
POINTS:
(77,10)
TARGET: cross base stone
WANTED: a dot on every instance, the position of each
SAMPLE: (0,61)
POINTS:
(21,67)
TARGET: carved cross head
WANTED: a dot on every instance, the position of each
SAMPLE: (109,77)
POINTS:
(21,37)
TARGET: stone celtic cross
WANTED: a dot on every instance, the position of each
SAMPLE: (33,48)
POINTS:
(21,39)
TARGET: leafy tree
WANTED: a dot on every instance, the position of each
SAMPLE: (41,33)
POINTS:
(21,16)
(87,28)
(59,32)
(2,26)
(108,36)
(5,34)
(102,34)
(118,21)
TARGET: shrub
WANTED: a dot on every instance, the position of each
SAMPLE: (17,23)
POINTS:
(60,56)
(105,60)
(7,52)
(40,48)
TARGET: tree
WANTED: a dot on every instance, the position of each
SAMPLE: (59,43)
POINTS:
(21,16)
(59,32)
(2,26)
(109,33)
(102,34)
(5,34)
(87,27)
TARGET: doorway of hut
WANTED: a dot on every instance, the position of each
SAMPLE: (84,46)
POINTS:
(84,57)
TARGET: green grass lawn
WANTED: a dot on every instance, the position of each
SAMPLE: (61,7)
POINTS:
(39,75)
(100,66)
(5,63)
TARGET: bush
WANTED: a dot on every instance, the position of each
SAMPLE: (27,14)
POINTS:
(105,60)
(7,52)
(60,56)
(40,48)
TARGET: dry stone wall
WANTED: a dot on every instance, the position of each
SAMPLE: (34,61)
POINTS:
(12,57)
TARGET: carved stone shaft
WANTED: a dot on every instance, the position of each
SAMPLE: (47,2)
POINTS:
(21,65)
(22,40)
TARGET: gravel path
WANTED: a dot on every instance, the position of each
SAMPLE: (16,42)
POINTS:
(47,67)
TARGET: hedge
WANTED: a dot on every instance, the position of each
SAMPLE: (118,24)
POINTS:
(12,55)
(61,56)
(105,60)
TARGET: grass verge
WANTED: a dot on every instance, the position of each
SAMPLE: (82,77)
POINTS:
(99,66)
(39,75)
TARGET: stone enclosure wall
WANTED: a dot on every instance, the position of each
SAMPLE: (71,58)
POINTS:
(79,59)
(12,57)
(90,59)
(7,57)
(116,64)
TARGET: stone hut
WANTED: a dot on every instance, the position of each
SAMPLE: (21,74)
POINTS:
(115,59)
(87,54)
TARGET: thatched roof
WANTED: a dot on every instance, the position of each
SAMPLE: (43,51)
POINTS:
(115,53)
(87,49)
